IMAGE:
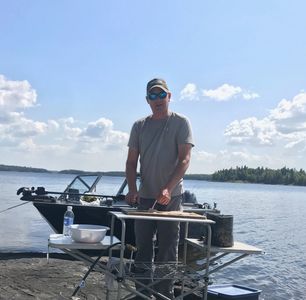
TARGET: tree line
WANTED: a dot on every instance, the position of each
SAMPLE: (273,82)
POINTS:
(242,174)
(284,175)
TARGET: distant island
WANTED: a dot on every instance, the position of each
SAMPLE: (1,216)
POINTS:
(70,171)
(283,176)
(23,169)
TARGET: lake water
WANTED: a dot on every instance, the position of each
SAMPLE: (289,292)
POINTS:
(272,218)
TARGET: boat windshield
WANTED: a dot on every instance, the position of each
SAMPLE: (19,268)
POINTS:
(82,184)
(93,184)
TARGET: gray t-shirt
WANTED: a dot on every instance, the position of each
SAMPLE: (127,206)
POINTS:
(157,142)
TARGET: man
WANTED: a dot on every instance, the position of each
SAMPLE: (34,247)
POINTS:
(162,142)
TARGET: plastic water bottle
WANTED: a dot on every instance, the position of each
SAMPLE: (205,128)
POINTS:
(68,220)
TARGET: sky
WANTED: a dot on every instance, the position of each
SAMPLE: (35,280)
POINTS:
(73,75)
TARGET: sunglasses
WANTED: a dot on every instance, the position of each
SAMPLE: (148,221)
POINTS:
(161,95)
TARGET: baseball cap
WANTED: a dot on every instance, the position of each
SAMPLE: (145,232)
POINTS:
(157,82)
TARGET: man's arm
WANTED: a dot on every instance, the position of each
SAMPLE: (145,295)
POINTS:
(131,175)
(184,154)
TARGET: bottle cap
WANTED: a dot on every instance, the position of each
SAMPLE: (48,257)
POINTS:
(69,207)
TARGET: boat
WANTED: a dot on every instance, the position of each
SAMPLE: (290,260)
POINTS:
(92,208)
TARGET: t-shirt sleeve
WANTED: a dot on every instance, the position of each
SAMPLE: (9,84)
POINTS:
(185,133)
(134,137)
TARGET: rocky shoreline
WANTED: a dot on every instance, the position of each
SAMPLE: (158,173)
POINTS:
(29,276)
(26,276)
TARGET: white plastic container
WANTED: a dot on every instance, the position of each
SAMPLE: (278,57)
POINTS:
(86,233)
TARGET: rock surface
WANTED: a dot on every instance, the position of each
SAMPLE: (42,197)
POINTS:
(30,276)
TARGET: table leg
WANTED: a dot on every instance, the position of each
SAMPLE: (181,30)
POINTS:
(206,279)
(121,265)
(48,250)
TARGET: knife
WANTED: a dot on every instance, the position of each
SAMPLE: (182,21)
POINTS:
(152,208)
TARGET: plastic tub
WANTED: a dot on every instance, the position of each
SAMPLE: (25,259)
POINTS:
(86,233)
(228,291)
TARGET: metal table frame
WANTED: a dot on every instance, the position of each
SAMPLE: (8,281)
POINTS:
(72,248)
(239,249)
(179,270)
(123,277)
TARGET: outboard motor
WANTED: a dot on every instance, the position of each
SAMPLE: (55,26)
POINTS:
(189,197)
(30,194)
(26,193)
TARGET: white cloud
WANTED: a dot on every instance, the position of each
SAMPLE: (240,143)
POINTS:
(223,93)
(72,133)
(15,126)
(284,127)
(53,138)
(27,145)
(204,156)
(249,95)
(26,128)
(9,117)
(67,121)
(62,144)
(102,131)
(251,131)
(290,116)
(298,144)
(16,94)
(99,128)
(203,162)
(207,163)
(189,92)
(287,109)
(295,143)
(7,141)
(53,125)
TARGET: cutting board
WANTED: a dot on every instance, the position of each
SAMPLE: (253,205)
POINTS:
(157,213)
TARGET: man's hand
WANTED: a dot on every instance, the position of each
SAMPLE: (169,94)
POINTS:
(132,198)
(164,197)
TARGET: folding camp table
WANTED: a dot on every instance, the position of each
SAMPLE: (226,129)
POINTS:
(124,274)
(161,271)
(238,251)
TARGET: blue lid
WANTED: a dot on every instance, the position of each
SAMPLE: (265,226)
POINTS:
(232,290)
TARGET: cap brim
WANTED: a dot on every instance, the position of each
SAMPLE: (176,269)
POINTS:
(158,86)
